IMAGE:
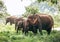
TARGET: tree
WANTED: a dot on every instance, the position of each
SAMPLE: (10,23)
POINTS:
(30,10)
(52,1)
(3,9)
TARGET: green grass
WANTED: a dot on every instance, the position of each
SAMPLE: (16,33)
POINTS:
(8,34)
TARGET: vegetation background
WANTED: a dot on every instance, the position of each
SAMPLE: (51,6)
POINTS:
(8,34)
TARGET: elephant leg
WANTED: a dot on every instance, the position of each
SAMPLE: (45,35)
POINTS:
(6,22)
(10,23)
(15,26)
(49,31)
(23,30)
(26,32)
(17,29)
(34,30)
(40,30)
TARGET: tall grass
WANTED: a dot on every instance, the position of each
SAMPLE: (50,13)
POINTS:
(8,34)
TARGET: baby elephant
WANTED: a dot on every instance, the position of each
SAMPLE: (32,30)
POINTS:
(19,24)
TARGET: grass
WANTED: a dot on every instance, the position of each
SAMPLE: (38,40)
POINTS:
(56,20)
(8,34)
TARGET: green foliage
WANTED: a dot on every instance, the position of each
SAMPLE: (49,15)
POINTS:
(3,10)
(1,15)
(8,34)
(59,7)
(41,0)
(57,20)
(30,10)
(54,1)
(26,14)
(1,4)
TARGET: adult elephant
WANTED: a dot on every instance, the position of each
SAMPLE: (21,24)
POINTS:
(41,22)
(11,19)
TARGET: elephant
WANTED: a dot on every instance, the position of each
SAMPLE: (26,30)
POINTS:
(11,19)
(26,26)
(41,22)
(19,24)
(37,22)
(32,24)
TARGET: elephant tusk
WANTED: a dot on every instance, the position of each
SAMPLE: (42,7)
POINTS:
(35,21)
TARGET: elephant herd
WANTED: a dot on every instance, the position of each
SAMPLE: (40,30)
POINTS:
(34,23)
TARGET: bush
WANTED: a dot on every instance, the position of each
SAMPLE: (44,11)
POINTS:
(7,35)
